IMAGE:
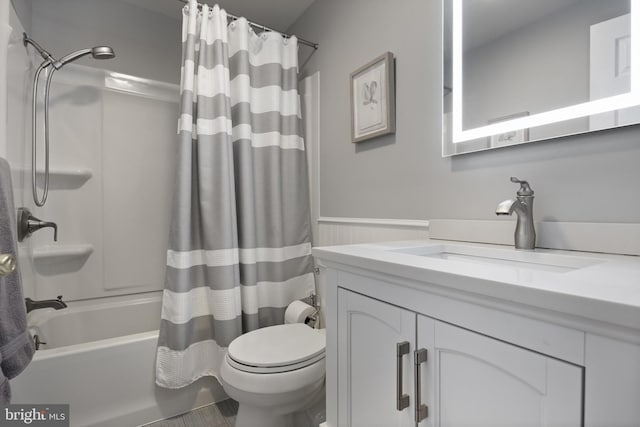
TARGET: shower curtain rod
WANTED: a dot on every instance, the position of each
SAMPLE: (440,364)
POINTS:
(263,28)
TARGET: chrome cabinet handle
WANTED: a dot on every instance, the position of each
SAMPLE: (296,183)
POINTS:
(7,264)
(402,400)
(422,411)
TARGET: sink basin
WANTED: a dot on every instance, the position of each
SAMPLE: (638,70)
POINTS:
(529,260)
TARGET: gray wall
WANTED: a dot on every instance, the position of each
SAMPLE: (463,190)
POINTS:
(147,44)
(23,10)
(591,178)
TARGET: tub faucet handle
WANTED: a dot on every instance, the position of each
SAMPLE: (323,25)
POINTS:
(28,224)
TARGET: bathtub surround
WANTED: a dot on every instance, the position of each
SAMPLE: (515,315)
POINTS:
(18,80)
(240,239)
(16,346)
(24,10)
(95,190)
(5,33)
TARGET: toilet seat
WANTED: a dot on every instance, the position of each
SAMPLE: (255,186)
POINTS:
(277,349)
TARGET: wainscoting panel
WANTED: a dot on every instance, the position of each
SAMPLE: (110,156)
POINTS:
(623,239)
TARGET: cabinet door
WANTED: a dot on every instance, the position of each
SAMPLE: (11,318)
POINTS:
(477,381)
(368,334)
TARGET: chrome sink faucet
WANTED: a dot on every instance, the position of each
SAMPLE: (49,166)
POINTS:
(522,205)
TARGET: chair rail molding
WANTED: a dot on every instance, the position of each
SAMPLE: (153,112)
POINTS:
(344,230)
(409,223)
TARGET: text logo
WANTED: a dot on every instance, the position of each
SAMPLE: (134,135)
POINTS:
(35,415)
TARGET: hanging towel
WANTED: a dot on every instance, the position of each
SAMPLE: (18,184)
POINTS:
(16,345)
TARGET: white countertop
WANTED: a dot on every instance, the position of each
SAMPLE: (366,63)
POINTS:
(595,286)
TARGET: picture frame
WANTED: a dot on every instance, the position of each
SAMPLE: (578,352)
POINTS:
(373,99)
(509,138)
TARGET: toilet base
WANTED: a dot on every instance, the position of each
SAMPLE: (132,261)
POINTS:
(252,416)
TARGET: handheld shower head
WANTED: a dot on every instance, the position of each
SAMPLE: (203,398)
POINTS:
(103,52)
(98,52)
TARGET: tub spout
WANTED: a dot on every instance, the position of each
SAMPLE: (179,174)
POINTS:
(49,303)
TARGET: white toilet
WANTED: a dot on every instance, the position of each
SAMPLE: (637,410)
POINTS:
(275,373)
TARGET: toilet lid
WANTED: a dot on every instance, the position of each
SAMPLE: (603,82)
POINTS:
(277,347)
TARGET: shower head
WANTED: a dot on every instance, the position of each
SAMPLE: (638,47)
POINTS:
(98,52)
(103,52)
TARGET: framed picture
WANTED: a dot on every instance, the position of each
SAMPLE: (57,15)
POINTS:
(509,138)
(373,99)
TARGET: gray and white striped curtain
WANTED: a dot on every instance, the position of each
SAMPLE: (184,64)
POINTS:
(240,238)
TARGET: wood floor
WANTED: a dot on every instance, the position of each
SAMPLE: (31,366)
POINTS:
(221,414)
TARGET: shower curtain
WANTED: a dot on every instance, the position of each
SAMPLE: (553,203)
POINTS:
(240,238)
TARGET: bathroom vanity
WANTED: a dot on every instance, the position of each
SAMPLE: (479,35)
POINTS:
(437,333)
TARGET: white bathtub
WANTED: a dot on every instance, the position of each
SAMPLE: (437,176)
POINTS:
(99,358)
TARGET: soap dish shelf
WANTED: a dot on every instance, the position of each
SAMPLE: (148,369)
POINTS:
(66,178)
(62,253)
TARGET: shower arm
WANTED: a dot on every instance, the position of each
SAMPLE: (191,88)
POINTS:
(42,51)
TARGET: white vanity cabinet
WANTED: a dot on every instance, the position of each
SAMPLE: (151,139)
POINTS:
(467,379)
(505,345)
(480,381)
(369,332)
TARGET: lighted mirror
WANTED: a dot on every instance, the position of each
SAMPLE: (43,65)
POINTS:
(518,71)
